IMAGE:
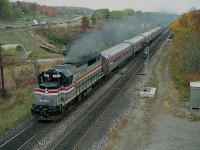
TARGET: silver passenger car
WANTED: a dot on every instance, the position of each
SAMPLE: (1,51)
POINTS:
(136,42)
(114,56)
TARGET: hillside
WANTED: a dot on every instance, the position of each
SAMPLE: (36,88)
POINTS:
(28,39)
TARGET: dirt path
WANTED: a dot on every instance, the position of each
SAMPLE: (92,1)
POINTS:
(40,39)
(160,122)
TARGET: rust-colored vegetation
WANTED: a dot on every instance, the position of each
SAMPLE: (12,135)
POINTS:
(186,53)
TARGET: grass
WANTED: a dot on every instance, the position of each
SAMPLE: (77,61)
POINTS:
(153,81)
(19,111)
(20,36)
(115,135)
(23,37)
(194,117)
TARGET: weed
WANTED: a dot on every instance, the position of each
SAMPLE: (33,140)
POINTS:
(194,117)
(115,136)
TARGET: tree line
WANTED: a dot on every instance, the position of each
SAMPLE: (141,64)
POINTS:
(12,10)
(103,15)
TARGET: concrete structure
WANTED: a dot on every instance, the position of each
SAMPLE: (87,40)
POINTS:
(16,49)
(150,92)
(194,95)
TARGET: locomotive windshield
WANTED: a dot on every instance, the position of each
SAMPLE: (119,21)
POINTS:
(66,81)
(49,77)
(54,81)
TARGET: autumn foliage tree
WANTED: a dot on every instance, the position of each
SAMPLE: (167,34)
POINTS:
(186,53)
(85,22)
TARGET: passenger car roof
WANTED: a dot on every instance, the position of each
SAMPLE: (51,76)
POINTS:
(134,39)
(114,50)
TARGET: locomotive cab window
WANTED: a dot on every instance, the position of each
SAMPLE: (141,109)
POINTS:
(69,80)
(51,79)
(66,81)
(92,62)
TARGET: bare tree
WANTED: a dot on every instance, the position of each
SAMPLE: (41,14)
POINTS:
(18,74)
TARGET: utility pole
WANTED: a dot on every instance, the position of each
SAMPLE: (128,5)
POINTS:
(3,91)
(146,68)
(1,70)
(147,91)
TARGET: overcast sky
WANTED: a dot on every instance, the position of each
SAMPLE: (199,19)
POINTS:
(172,6)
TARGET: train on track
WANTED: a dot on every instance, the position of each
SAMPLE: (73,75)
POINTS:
(61,86)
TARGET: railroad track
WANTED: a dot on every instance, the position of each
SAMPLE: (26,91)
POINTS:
(23,137)
(79,131)
(73,139)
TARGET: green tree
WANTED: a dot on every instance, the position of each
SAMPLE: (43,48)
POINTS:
(23,6)
(17,11)
(103,14)
(116,14)
(33,8)
(128,12)
(5,9)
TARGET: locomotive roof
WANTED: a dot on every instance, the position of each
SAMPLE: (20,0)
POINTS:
(66,69)
(83,59)
(114,50)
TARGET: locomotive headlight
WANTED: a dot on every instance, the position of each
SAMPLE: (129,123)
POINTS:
(46,75)
(56,76)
